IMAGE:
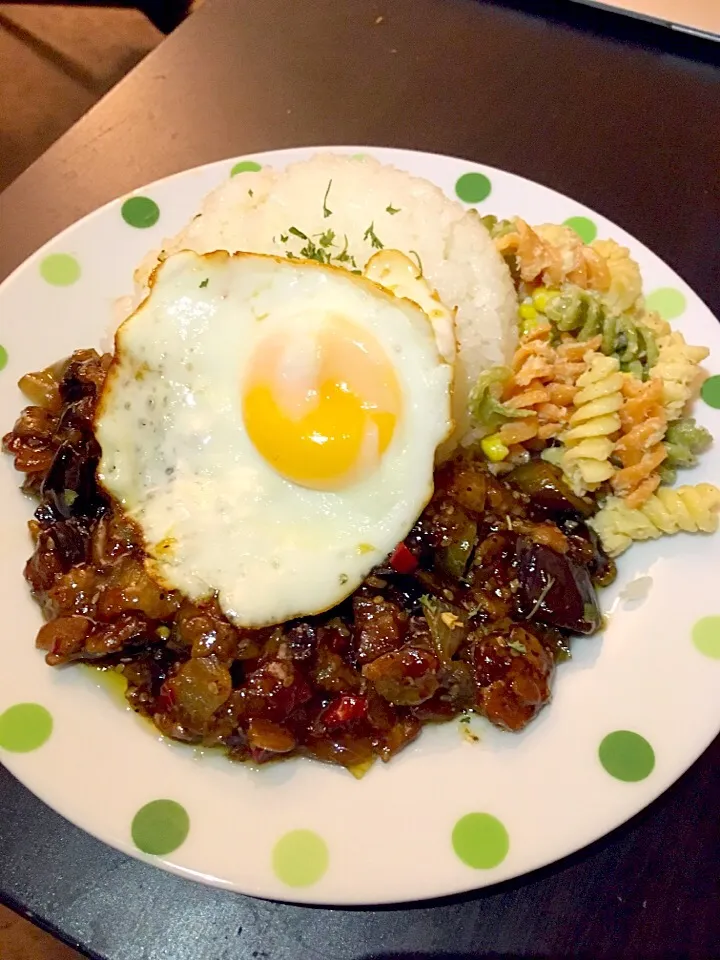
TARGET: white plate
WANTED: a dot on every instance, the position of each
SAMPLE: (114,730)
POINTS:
(304,831)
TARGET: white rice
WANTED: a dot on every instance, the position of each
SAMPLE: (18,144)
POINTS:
(253,211)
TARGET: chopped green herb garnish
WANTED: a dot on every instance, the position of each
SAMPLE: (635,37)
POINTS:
(326,212)
(392,210)
(419,261)
(357,272)
(320,251)
(517,646)
(205,282)
(311,251)
(69,497)
(343,579)
(464,719)
(370,235)
(251,193)
(344,256)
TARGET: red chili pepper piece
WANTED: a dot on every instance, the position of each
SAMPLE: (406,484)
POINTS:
(346,708)
(402,560)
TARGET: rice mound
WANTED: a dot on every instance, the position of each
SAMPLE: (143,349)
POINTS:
(254,211)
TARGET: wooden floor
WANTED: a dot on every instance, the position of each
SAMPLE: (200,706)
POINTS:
(55,63)
(20,940)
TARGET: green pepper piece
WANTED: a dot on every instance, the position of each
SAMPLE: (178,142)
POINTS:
(453,558)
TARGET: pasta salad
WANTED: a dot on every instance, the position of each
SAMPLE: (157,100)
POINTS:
(599,385)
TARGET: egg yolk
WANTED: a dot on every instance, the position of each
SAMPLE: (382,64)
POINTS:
(322,411)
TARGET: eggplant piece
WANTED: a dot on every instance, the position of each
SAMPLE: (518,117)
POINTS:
(602,567)
(73,389)
(76,419)
(71,542)
(513,674)
(130,635)
(332,674)
(555,590)
(457,680)
(404,677)
(82,376)
(59,548)
(544,485)
(406,591)
(45,513)
(467,483)
(554,640)
(380,626)
(70,485)
(63,639)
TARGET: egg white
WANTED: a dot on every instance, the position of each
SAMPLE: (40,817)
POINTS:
(215,516)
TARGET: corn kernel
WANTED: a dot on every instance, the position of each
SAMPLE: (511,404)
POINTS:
(527,326)
(493,448)
(527,311)
(542,296)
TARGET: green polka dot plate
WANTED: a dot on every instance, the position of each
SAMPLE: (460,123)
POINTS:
(631,711)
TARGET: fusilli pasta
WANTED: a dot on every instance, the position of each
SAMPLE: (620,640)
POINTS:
(654,323)
(690,509)
(677,368)
(640,449)
(590,440)
(580,264)
(625,286)
(551,254)
(543,385)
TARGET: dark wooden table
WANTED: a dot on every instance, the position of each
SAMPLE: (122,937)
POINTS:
(626,119)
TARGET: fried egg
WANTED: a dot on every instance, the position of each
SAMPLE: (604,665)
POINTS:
(398,273)
(271,426)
